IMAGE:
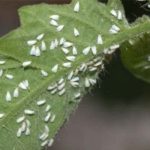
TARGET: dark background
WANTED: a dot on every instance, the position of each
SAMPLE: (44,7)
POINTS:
(116,114)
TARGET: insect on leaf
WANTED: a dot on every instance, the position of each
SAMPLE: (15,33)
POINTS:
(50,62)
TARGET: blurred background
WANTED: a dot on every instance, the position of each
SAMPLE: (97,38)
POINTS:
(116,114)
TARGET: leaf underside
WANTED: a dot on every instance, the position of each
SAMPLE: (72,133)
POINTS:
(136,57)
(93,19)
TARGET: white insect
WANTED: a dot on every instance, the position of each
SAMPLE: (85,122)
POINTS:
(99,40)
(43,46)
(77,7)
(94,50)
(54,17)
(67,65)
(113,12)
(56,42)
(45,134)
(55,68)
(41,102)
(31,42)
(74,50)
(53,118)
(23,127)
(43,144)
(75,79)
(48,108)
(62,92)
(16,92)
(120,17)
(44,73)
(2,62)
(86,50)
(114,46)
(48,116)
(70,75)
(50,142)
(92,81)
(52,87)
(65,50)
(67,44)
(62,40)
(37,51)
(53,91)
(27,132)
(8,96)
(20,119)
(26,63)
(87,83)
(29,112)
(33,50)
(114,29)
(54,23)
(61,86)
(46,129)
(40,37)
(24,85)
(28,123)
(76,71)
(71,58)
(106,51)
(83,67)
(77,95)
(60,28)
(76,32)
(61,81)
(9,76)
(19,132)
(52,45)
(1,72)
(74,84)
(91,69)
(98,64)
(117,14)
(2,115)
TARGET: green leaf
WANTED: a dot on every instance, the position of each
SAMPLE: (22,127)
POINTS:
(135,55)
(92,20)
(115,4)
